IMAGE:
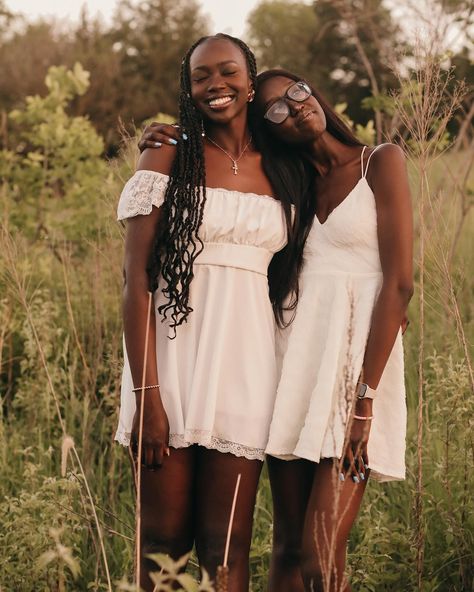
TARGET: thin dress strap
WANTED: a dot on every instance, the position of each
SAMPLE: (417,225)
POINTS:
(364,173)
(362,161)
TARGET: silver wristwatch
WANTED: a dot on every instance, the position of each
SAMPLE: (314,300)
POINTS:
(364,391)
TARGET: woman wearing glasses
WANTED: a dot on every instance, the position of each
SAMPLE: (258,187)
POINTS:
(340,408)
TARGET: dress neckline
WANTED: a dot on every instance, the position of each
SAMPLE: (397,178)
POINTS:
(222,189)
(363,176)
(341,203)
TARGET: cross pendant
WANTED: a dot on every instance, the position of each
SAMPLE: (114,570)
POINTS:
(235,168)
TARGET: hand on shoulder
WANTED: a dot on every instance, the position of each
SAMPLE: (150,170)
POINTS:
(160,161)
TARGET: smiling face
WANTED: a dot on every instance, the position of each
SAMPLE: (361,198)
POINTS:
(306,120)
(220,82)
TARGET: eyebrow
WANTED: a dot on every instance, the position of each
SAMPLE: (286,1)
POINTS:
(219,64)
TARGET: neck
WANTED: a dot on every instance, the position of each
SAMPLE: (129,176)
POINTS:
(326,153)
(232,136)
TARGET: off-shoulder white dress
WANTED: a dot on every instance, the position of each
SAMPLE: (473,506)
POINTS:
(320,355)
(218,376)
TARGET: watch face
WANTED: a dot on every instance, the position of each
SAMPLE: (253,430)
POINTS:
(362,390)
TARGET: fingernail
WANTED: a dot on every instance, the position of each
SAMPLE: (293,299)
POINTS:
(184,136)
(355,479)
(157,144)
(167,452)
(362,476)
(172,141)
(341,477)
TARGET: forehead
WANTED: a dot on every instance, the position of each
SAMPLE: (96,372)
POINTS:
(213,51)
(274,87)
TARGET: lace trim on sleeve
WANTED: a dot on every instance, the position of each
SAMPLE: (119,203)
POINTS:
(141,192)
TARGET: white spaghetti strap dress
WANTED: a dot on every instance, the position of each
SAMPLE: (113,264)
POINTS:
(320,354)
(218,376)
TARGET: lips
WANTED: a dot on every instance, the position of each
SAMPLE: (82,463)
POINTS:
(220,102)
(303,116)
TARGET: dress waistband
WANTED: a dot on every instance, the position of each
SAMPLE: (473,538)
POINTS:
(245,257)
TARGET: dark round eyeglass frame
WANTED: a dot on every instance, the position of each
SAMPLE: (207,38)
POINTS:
(299,92)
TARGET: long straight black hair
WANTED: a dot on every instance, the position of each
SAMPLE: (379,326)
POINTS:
(290,172)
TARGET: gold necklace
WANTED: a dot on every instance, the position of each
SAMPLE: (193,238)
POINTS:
(235,167)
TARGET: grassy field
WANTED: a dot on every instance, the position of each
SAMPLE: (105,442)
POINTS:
(66,499)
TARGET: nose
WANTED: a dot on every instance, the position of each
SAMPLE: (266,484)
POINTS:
(295,107)
(216,82)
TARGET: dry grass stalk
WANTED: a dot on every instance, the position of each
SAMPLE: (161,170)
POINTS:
(222,577)
(20,285)
(140,444)
(325,542)
(425,112)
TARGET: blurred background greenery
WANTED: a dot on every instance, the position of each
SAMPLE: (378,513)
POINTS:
(72,99)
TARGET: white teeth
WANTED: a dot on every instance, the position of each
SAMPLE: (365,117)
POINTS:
(220,101)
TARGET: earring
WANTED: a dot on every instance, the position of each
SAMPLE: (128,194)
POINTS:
(203,131)
(251,96)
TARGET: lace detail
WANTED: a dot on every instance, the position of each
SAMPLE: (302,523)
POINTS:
(141,192)
(203,439)
(123,438)
(207,440)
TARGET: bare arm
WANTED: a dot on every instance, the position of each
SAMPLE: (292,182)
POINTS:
(395,235)
(389,181)
(139,241)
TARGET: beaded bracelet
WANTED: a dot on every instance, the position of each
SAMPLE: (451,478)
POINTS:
(139,388)
(363,417)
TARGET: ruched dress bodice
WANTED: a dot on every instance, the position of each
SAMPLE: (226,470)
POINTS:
(218,376)
(320,355)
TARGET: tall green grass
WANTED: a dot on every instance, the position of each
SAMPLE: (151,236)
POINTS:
(60,362)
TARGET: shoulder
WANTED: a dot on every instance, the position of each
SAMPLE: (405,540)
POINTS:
(159,160)
(147,187)
(385,162)
(385,156)
(387,174)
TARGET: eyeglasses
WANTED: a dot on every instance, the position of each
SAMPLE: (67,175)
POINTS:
(279,110)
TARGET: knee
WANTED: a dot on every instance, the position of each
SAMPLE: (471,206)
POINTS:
(159,542)
(210,548)
(287,554)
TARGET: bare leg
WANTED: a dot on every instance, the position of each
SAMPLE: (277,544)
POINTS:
(291,483)
(167,521)
(216,479)
(332,508)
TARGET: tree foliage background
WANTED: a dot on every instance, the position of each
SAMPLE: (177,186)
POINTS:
(347,48)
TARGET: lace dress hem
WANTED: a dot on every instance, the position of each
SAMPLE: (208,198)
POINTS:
(205,439)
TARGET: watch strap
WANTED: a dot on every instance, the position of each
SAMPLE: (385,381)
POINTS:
(365,392)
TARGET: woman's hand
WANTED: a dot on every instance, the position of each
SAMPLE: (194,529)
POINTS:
(155,432)
(356,460)
(157,134)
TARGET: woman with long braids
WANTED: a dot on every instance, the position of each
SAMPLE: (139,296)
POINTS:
(340,409)
(203,222)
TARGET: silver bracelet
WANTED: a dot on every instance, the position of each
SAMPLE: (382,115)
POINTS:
(363,417)
(139,388)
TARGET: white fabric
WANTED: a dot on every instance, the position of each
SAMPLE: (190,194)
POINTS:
(218,377)
(320,355)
